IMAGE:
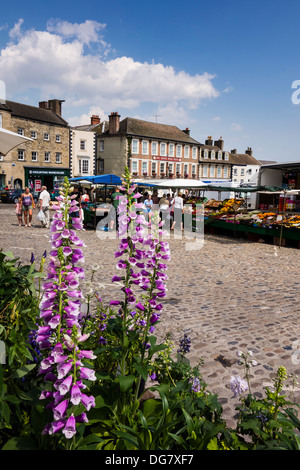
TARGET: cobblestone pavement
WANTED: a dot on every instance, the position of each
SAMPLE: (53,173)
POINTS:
(231,295)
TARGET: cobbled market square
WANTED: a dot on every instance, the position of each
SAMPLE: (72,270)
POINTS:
(232,295)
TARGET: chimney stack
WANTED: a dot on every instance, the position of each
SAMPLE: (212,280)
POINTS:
(234,151)
(114,123)
(55,106)
(186,131)
(219,143)
(43,104)
(95,119)
(249,151)
(209,141)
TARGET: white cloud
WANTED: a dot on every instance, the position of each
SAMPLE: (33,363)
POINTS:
(217,118)
(15,32)
(236,127)
(55,63)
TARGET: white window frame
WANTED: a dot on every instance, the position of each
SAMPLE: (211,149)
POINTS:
(153,167)
(162,168)
(33,135)
(186,169)
(21,155)
(101,146)
(20,131)
(194,153)
(219,171)
(171,150)
(186,151)
(178,168)
(219,155)
(133,164)
(235,172)
(58,160)
(34,154)
(225,172)
(145,147)
(81,163)
(194,171)
(171,168)
(242,171)
(205,154)
(179,151)
(47,157)
(213,155)
(163,149)
(144,167)
(154,148)
(135,146)
(82,144)
(226,156)
(212,171)
(46,136)
(205,171)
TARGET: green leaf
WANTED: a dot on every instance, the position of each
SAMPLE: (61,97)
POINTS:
(23,371)
(142,370)
(20,443)
(11,399)
(125,381)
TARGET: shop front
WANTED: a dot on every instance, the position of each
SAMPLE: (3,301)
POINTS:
(36,177)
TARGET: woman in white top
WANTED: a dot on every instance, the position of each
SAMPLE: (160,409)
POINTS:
(178,210)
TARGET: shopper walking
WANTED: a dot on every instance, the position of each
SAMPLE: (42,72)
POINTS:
(178,211)
(44,201)
(19,211)
(27,204)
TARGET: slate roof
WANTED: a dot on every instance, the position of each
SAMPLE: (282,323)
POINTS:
(243,159)
(153,130)
(33,113)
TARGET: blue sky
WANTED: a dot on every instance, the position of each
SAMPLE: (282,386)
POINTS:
(223,69)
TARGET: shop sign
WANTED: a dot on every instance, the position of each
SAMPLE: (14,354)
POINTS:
(37,185)
(168,159)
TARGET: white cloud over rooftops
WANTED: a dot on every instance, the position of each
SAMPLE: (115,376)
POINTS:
(60,63)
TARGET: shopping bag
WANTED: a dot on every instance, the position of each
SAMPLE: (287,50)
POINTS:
(41,216)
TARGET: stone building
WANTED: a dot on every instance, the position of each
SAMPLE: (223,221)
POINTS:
(149,149)
(245,168)
(44,159)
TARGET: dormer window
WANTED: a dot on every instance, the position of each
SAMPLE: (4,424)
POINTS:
(212,154)
(205,154)
(226,156)
(219,155)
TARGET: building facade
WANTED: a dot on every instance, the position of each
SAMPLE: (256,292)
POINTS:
(45,159)
(245,169)
(150,150)
(214,162)
(83,149)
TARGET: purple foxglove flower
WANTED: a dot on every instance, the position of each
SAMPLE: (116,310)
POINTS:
(139,306)
(86,373)
(63,369)
(88,402)
(65,233)
(57,426)
(64,387)
(67,251)
(82,418)
(75,395)
(116,279)
(87,355)
(121,264)
(70,427)
(238,385)
(154,318)
(114,302)
(60,410)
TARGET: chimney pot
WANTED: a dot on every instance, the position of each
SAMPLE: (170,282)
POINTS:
(95,119)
